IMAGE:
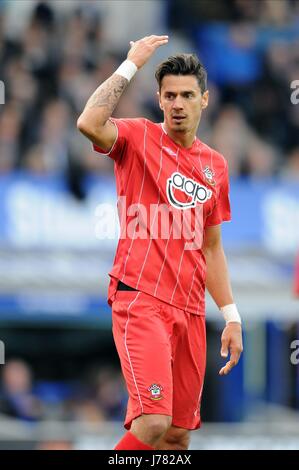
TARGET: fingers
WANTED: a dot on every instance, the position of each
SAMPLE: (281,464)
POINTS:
(235,356)
(233,345)
(227,368)
(156,39)
(159,43)
(224,347)
(152,40)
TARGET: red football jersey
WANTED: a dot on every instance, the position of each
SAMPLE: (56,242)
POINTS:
(167,195)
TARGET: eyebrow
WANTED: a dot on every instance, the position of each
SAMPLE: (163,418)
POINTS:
(182,92)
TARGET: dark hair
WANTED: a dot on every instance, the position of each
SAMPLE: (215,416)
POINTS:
(183,64)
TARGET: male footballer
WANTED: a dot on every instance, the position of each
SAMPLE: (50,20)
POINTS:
(173,195)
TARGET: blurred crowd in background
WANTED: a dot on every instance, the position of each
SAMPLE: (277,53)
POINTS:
(96,396)
(56,61)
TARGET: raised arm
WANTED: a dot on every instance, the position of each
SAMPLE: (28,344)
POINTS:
(94,121)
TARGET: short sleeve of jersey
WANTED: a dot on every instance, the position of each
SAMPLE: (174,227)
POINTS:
(221,212)
(128,131)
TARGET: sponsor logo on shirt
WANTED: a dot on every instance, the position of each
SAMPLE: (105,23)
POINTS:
(196,192)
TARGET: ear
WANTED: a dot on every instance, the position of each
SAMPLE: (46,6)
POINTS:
(205,99)
(159,98)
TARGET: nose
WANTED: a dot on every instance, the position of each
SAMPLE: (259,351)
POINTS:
(177,103)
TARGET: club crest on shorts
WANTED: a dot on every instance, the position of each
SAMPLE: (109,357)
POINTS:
(155,390)
(209,174)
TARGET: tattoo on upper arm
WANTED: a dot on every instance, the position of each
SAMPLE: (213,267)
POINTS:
(108,94)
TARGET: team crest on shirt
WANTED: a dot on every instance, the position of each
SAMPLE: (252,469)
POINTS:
(209,174)
(178,186)
(155,390)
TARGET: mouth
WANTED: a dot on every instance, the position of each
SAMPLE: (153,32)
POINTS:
(178,118)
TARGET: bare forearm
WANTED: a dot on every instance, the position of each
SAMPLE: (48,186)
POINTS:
(103,101)
(217,280)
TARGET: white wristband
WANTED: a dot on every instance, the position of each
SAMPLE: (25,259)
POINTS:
(230,313)
(127,69)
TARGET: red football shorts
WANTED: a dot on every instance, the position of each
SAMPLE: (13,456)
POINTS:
(162,350)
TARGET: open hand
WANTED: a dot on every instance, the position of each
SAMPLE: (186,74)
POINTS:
(143,49)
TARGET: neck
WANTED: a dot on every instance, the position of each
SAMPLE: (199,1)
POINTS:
(184,138)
